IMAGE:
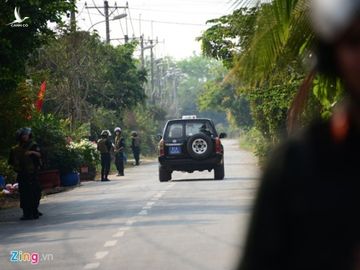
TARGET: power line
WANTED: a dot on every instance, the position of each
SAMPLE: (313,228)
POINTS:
(131,22)
(175,11)
(167,22)
(106,15)
(79,13)
(172,22)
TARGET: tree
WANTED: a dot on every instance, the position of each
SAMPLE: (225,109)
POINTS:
(17,43)
(83,74)
(229,35)
(224,97)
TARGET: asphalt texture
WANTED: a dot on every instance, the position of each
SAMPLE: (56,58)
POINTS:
(136,223)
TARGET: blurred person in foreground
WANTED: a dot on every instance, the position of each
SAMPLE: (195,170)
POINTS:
(307,211)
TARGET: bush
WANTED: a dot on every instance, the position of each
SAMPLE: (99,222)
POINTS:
(68,160)
(254,141)
(50,133)
(7,171)
(87,151)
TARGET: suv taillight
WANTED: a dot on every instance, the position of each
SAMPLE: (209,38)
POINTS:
(218,147)
(161,148)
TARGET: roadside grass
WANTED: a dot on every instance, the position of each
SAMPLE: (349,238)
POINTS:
(253,141)
(250,139)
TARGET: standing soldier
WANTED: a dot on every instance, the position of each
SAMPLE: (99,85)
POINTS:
(119,151)
(104,146)
(135,147)
(25,158)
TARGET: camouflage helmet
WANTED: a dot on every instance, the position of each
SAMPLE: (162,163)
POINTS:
(105,132)
(23,131)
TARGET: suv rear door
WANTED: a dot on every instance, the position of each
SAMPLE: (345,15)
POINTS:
(178,131)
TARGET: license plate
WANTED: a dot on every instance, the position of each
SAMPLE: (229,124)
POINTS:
(174,150)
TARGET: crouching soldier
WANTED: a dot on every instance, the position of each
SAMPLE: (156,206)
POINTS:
(25,158)
(104,146)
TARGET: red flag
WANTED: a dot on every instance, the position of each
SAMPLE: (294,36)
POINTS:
(40,98)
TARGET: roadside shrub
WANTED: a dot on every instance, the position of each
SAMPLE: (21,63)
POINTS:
(254,141)
(7,171)
(89,156)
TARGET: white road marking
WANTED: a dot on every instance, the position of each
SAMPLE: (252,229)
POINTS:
(143,213)
(147,207)
(170,186)
(130,222)
(92,265)
(110,243)
(119,234)
(124,228)
(150,203)
(155,199)
(159,195)
(101,255)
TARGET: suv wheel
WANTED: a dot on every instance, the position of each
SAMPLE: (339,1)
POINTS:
(199,146)
(164,175)
(219,172)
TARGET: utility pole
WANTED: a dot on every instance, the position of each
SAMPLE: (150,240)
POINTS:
(107,15)
(107,23)
(152,65)
(142,51)
(73,18)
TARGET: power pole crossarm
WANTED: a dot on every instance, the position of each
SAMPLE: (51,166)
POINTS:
(106,15)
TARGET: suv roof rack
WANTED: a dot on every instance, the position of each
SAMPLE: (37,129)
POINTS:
(189,117)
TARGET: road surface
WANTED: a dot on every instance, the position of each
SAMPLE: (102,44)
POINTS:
(137,223)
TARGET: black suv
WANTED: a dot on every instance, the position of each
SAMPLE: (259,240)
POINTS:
(190,145)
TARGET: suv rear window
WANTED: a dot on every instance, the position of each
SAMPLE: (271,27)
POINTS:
(193,128)
(176,130)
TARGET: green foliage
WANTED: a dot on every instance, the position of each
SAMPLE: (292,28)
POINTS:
(50,133)
(253,140)
(229,35)
(89,156)
(224,97)
(6,171)
(270,106)
(17,43)
(328,93)
(85,74)
(16,109)
(146,120)
(197,72)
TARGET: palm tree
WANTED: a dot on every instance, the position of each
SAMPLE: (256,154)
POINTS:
(282,38)
(282,42)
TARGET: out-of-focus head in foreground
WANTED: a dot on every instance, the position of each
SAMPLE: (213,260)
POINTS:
(336,24)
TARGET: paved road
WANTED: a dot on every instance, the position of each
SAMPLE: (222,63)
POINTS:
(138,223)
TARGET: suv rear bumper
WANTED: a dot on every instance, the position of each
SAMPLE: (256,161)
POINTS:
(190,165)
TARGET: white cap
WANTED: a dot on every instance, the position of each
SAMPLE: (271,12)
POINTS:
(117,129)
(331,17)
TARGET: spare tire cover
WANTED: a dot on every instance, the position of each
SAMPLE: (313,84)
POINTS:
(199,146)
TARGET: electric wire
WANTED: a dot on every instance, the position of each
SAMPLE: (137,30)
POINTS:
(79,13)
(131,22)
(97,8)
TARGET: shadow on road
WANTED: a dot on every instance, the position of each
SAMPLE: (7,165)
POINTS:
(194,180)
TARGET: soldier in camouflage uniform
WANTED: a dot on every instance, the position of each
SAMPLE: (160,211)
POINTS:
(25,158)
